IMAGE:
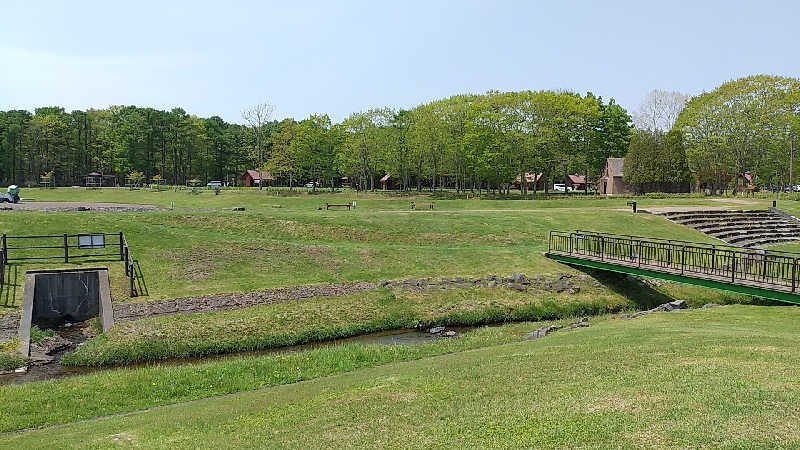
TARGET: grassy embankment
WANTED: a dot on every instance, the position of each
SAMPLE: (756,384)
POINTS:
(721,377)
(319,319)
(191,252)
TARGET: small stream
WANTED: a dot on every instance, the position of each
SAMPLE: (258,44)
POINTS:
(393,337)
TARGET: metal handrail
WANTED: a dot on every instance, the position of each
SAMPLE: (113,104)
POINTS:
(124,253)
(732,264)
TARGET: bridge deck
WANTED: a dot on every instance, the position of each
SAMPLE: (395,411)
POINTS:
(765,274)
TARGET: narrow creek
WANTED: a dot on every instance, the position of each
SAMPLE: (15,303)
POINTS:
(54,370)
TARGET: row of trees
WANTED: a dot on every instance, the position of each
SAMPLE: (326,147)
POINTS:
(746,125)
(464,141)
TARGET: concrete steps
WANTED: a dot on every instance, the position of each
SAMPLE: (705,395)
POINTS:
(744,228)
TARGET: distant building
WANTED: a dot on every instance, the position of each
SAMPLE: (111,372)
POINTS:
(576,182)
(612,182)
(387,182)
(253,178)
(534,181)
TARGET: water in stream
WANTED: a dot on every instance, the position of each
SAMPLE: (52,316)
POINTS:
(392,337)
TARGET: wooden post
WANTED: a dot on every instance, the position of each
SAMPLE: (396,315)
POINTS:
(5,250)
(121,252)
(66,249)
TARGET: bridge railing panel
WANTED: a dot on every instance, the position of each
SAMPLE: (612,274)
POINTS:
(723,262)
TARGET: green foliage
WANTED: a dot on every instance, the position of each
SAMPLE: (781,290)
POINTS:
(38,335)
(656,161)
(748,124)
(465,142)
(10,357)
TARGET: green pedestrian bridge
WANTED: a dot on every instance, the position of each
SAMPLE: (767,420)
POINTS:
(756,272)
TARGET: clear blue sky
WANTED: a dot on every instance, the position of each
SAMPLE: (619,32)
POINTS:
(336,57)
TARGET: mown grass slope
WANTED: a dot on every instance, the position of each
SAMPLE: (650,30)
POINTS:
(719,377)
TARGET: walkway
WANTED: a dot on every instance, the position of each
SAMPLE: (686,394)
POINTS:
(760,273)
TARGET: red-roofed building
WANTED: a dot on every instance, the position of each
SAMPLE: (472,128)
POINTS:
(387,182)
(531,180)
(576,182)
(253,178)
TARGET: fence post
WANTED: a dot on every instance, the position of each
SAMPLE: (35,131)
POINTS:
(733,265)
(127,260)
(602,247)
(683,257)
(713,258)
(121,240)
(131,277)
(5,250)
(764,266)
(66,249)
(570,242)
(794,272)
(640,253)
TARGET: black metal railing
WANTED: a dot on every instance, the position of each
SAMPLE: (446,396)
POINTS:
(713,261)
(68,247)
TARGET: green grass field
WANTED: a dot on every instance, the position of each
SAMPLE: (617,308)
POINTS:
(205,249)
(721,378)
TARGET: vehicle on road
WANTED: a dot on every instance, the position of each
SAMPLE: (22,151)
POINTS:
(214,184)
(561,187)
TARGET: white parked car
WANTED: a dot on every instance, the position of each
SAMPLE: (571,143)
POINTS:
(311,184)
(561,187)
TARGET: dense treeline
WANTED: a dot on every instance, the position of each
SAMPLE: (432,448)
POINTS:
(746,125)
(462,142)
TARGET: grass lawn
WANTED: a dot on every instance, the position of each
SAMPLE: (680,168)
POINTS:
(207,250)
(719,377)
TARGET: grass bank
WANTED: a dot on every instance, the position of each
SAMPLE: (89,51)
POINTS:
(320,319)
(719,377)
(111,391)
(203,249)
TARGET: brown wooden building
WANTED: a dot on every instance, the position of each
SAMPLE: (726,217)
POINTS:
(252,178)
(612,182)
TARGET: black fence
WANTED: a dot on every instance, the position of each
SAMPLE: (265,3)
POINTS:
(68,248)
(775,269)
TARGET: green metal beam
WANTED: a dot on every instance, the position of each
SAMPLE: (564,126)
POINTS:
(754,291)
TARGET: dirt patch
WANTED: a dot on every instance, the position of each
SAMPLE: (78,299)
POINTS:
(201,263)
(79,206)
(9,324)
(219,302)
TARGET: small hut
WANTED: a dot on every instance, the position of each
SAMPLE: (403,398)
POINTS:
(252,178)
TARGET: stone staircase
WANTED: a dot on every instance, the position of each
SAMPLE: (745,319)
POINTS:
(745,228)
